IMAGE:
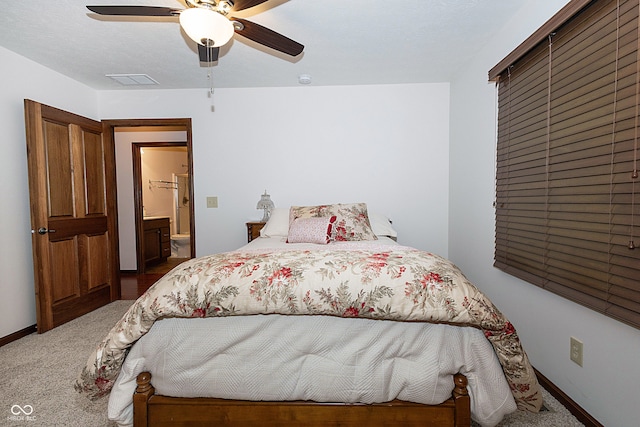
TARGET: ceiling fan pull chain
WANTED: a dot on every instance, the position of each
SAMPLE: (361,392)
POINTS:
(210,77)
(210,74)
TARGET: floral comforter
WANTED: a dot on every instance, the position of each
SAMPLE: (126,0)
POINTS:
(393,283)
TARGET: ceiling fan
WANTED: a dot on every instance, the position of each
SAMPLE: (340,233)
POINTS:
(210,24)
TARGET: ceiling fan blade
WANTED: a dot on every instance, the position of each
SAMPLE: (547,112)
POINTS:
(134,10)
(245,4)
(208,54)
(269,38)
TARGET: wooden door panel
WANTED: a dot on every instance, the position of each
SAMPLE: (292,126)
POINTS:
(97,271)
(64,262)
(69,309)
(75,254)
(66,227)
(59,169)
(94,173)
(151,245)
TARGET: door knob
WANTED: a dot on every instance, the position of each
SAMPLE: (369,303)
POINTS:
(43,230)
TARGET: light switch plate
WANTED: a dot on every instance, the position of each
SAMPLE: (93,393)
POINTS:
(576,350)
(212,202)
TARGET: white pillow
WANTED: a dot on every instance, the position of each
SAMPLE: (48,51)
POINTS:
(381,225)
(311,230)
(278,224)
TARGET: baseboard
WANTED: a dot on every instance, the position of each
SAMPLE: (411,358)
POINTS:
(575,409)
(17,335)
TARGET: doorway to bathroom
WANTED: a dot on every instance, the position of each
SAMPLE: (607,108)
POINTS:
(162,189)
(136,245)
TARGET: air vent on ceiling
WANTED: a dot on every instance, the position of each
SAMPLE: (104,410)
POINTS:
(132,79)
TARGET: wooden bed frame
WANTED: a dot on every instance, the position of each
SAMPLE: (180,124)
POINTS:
(151,410)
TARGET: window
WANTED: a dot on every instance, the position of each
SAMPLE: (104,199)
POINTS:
(567,215)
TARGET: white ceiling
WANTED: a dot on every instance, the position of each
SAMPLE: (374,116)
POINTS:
(347,42)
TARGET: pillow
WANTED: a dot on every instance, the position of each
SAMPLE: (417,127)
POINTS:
(311,230)
(352,220)
(381,225)
(308,212)
(278,224)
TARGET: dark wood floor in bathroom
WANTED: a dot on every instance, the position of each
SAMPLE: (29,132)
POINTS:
(132,285)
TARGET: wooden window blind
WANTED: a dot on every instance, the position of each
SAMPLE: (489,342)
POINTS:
(567,212)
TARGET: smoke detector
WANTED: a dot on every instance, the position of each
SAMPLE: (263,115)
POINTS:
(304,79)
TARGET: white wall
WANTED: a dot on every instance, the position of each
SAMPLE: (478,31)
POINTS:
(383,145)
(21,78)
(607,385)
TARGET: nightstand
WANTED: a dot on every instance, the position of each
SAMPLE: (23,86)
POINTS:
(253,229)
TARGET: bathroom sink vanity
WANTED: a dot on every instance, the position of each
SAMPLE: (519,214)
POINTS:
(157,240)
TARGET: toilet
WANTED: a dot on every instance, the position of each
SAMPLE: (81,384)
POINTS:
(180,246)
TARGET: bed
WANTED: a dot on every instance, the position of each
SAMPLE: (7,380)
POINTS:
(323,320)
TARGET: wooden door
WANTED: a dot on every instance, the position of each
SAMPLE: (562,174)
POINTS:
(73,214)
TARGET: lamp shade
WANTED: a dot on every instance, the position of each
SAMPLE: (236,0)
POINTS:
(266,204)
(206,27)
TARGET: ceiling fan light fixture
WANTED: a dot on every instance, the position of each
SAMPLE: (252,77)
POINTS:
(206,27)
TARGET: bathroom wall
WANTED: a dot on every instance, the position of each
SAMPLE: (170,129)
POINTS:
(160,164)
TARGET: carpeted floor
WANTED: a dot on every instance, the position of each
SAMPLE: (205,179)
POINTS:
(38,372)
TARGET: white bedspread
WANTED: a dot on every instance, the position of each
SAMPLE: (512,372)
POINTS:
(320,358)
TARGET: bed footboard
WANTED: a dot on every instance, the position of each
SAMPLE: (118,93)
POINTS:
(154,410)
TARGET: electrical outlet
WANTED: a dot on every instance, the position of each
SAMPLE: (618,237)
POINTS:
(576,351)
(212,202)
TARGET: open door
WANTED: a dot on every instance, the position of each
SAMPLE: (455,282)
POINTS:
(72,189)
